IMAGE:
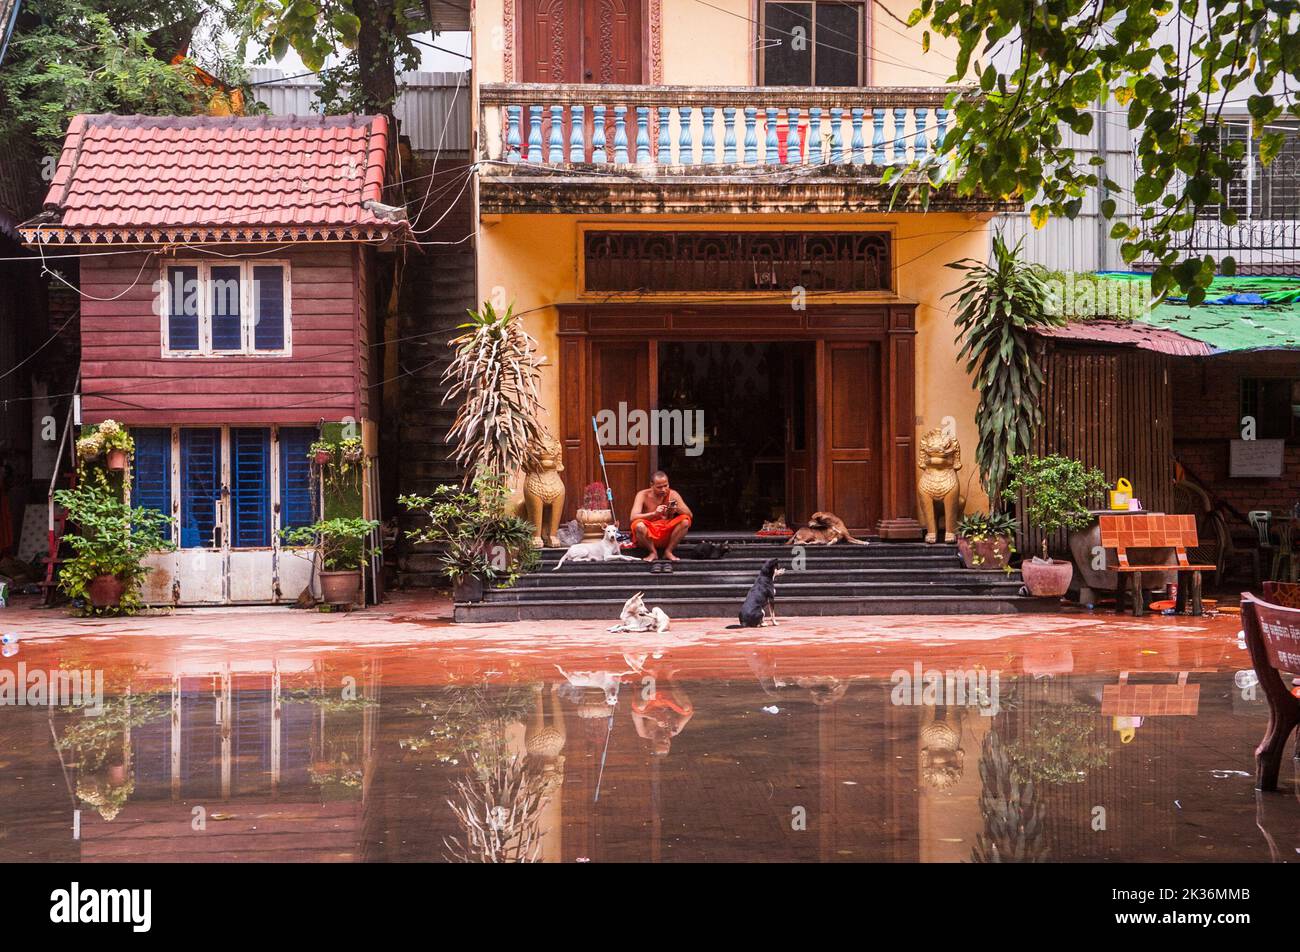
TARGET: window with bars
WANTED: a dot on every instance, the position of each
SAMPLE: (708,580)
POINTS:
(224,309)
(1257,192)
(816,43)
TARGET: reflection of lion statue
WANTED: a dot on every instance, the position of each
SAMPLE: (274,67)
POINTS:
(939,456)
(544,486)
(942,758)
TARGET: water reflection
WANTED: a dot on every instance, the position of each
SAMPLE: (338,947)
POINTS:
(643,758)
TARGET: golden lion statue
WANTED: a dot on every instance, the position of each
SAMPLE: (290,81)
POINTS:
(939,456)
(544,487)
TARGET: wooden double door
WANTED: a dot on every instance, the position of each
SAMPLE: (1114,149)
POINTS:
(581,41)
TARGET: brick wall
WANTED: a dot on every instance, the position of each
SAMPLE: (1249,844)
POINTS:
(1207,414)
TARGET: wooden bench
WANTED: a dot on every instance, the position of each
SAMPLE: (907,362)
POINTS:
(1177,532)
(1273,638)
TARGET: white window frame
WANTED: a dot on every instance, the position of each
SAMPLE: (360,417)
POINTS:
(205,267)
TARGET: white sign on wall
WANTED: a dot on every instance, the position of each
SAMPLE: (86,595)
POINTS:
(1255,458)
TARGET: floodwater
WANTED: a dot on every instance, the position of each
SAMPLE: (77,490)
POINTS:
(1056,738)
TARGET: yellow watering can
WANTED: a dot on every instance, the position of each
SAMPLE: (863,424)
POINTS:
(1121,494)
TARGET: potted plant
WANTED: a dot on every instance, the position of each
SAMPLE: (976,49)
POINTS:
(1054,491)
(109,546)
(595,513)
(986,540)
(118,444)
(482,543)
(344,546)
(321,452)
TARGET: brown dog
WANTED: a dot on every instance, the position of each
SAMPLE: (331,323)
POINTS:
(824,528)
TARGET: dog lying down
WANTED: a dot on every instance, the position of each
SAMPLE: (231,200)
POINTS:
(824,528)
(709,550)
(604,549)
(636,617)
(759,606)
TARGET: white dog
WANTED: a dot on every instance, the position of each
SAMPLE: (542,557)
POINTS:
(636,617)
(605,550)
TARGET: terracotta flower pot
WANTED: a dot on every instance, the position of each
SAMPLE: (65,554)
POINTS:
(340,587)
(105,591)
(323,457)
(992,553)
(116,459)
(1047,579)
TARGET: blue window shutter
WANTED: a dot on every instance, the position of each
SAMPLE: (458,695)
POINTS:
(250,487)
(183,308)
(268,307)
(151,477)
(297,501)
(200,485)
(225,293)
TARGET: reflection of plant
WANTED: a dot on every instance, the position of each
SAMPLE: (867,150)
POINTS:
(106,797)
(1059,745)
(1013,816)
(469,722)
(1056,491)
(91,739)
(327,703)
(500,815)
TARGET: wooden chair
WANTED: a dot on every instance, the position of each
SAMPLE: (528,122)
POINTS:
(1273,638)
(1177,532)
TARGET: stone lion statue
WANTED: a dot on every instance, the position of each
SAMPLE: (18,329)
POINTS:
(544,487)
(941,755)
(939,457)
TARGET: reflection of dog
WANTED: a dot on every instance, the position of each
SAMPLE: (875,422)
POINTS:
(636,617)
(760,603)
(824,528)
(604,549)
(709,550)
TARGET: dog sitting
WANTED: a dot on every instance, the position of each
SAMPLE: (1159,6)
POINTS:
(824,528)
(636,617)
(709,550)
(606,549)
(760,604)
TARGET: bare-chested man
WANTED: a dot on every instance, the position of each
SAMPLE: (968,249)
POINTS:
(660,518)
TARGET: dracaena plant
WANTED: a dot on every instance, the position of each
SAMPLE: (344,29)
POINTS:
(999,305)
(495,374)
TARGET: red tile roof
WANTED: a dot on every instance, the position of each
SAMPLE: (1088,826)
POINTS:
(1130,334)
(209,178)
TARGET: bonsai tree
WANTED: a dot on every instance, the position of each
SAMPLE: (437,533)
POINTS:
(998,307)
(343,543)
(111,539)
(1055,491)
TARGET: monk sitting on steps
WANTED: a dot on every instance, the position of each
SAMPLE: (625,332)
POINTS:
(660,518)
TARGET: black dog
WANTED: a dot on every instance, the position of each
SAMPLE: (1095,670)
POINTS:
(709,550)
(760,603)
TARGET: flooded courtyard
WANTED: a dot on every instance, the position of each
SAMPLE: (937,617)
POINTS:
(392,736)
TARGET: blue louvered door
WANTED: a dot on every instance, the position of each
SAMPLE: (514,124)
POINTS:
(200,563)
(250,560)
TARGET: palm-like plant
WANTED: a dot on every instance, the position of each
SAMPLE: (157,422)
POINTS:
(999,306)
(495,373)
(1014,830)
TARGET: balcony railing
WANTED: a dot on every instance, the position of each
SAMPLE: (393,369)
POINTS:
(709,129)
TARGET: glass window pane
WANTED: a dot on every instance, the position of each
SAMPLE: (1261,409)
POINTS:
(787,45)
(839,46)
(224,291)
(268,307)
(183,308)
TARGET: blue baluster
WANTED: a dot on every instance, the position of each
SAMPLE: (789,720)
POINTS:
(859,152)
(877,137)
(708,144)
(815,133)
(771,150)
(620,135)
(900,135)
(792,150)
(921,144)
(642,134)
(685,150)
(665,138)
(837,139)
(598,135)
(556,138)
(535,134)
(941,120)
(751,137)
(577,134)
(512,132)
(729,135)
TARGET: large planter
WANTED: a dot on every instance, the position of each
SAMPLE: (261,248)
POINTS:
(340,587)
(1047,579)
(105,591)
(116,460)
(468,588)
(594,521)
(994,553)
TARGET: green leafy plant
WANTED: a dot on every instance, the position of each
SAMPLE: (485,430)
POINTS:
(322,446)
(998,308)
(495,373)
(479,538)
(1058,745)
(111,539)
(105,438)
(343,543)
(977,527)
(1055,491)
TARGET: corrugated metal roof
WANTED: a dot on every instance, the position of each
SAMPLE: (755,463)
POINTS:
(1129,334)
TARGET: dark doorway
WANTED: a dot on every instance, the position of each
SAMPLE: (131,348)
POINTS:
(756,404)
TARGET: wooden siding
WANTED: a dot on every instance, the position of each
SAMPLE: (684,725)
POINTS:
(124,375)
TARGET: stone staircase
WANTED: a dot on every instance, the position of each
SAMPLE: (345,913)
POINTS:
(883,578)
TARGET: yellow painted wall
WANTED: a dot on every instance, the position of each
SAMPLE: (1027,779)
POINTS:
(532,262)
